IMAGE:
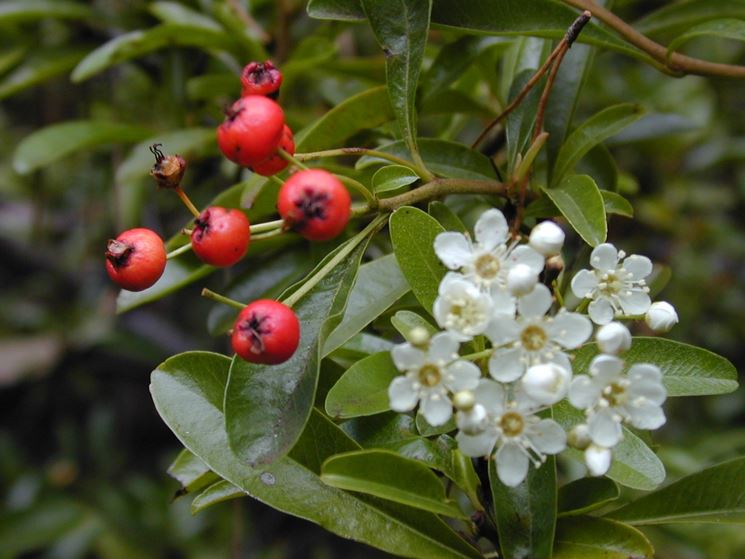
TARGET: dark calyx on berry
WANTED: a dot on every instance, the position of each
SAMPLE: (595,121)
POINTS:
(260,78)
(168,169)
(201,225)
(311,205)
(255,327)
(118,253)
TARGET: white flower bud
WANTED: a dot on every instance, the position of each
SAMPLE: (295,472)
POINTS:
(419,337)
(613,338)
(464,400)
(579,437)
(473,421)
(661,317)
(546,383)
(547,238)
(521,279)
(597,459)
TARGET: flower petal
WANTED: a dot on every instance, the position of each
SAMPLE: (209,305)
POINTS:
(512,464)
(477,445)
(453,249)
(535,303)
(548,436)
(407,358)
(604,429)
(491,229)
(604,257)
(506,364)
(491,395)
(645,371)
(465,376)
(570,329)
(600,311)
(502,329)
(402,395)
(598,459)
(443,348)
(436,409)
(646,415)
(502,301)
(634,302)
(606,368)
(583,283)
(523,254)
(638,266)
(583,392)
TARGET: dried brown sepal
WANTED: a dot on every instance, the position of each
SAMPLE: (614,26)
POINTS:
(168,169)
(118,252)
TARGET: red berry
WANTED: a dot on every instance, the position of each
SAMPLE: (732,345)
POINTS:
(220,236)
(276,162)
(136,259)
(252,130)
(314,203)
(261,79)
(266,332)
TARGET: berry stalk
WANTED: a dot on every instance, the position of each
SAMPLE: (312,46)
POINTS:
(209,294)
(180,250)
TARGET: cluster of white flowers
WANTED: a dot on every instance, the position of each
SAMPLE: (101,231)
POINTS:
(493,290)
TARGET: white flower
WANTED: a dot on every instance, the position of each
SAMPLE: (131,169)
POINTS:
(547,238)
(512,426)
(430,375)
(579,437)
(461,308)
(521,279)
(546,383)
(488,261)
(610,397)
(597,459)
(616,285)
(661,317)
(613,338)
(533,338)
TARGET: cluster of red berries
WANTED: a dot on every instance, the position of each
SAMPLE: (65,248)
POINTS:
(312,202)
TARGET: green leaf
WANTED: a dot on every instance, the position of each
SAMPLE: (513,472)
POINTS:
(18,11)
(526,514)
(519,124)
(686,370)
(389,476)
(363,111)
(679,16)
(137,43)
(616,204)
(714,495)
(634,464)
(427,430)
(448,159)
(38,68)
(393,177)
(363,388)
(379,284)
(267,406)
(586,494)
(720,28)
(188,393)
(401,28)
(174,12)
(54,142)
(587,537)
(579,200)
(413,234)
(343,10)
(447,217)
(218,492)
(593,131)
(191,473)
(406,321)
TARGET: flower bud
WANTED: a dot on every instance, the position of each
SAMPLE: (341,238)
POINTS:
(473,421)
(613,338)
(464,400)
(661,317)
(521,279)
(579,437)
(546,383)
(597,459)
(418,337)
(547,238)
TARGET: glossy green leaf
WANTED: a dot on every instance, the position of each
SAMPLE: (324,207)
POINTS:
(137,43)
(177,13)
(654,126)
(427,430)
(17,11)
(344,10)
(379,284)
(218,492)
(587,537)
(679,16)
(616,204)
(191,473)
(447,217)
(579,200)
(720,28)
(600,164)
(393,177)
(381,430)
(526,514)
(448,159)
(586,494)
(389,476)
(593,131)
(188,393)
(209,86)
(56,141)
(38,68)
(686,370)
(406,321)
(267,406)
(401,28)
(518,127)
(363,388)
(634,464)
(715,495)
(412,234)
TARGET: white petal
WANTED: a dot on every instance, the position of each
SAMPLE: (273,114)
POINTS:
(606,368)
(407,358)
(535,303)
(570,329)
(647,416)
(453,249)
(635,302)
(604,429)
(502,301)
(604,257)
(650,390)
(443,347)
(661,317)
(512,464)
(506,365)
(491,229)
(466,376)
(547,238)
(597,459)
(638,266)
(613,338)
(600,311)
(523,254)
(583,393)
(491,395)
(502,329)
(548,437)
(402,395)
(645,371)
(436,409)
(546,383)
(477,445)
(583,283)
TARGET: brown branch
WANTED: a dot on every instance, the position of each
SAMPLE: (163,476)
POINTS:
(442,187)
